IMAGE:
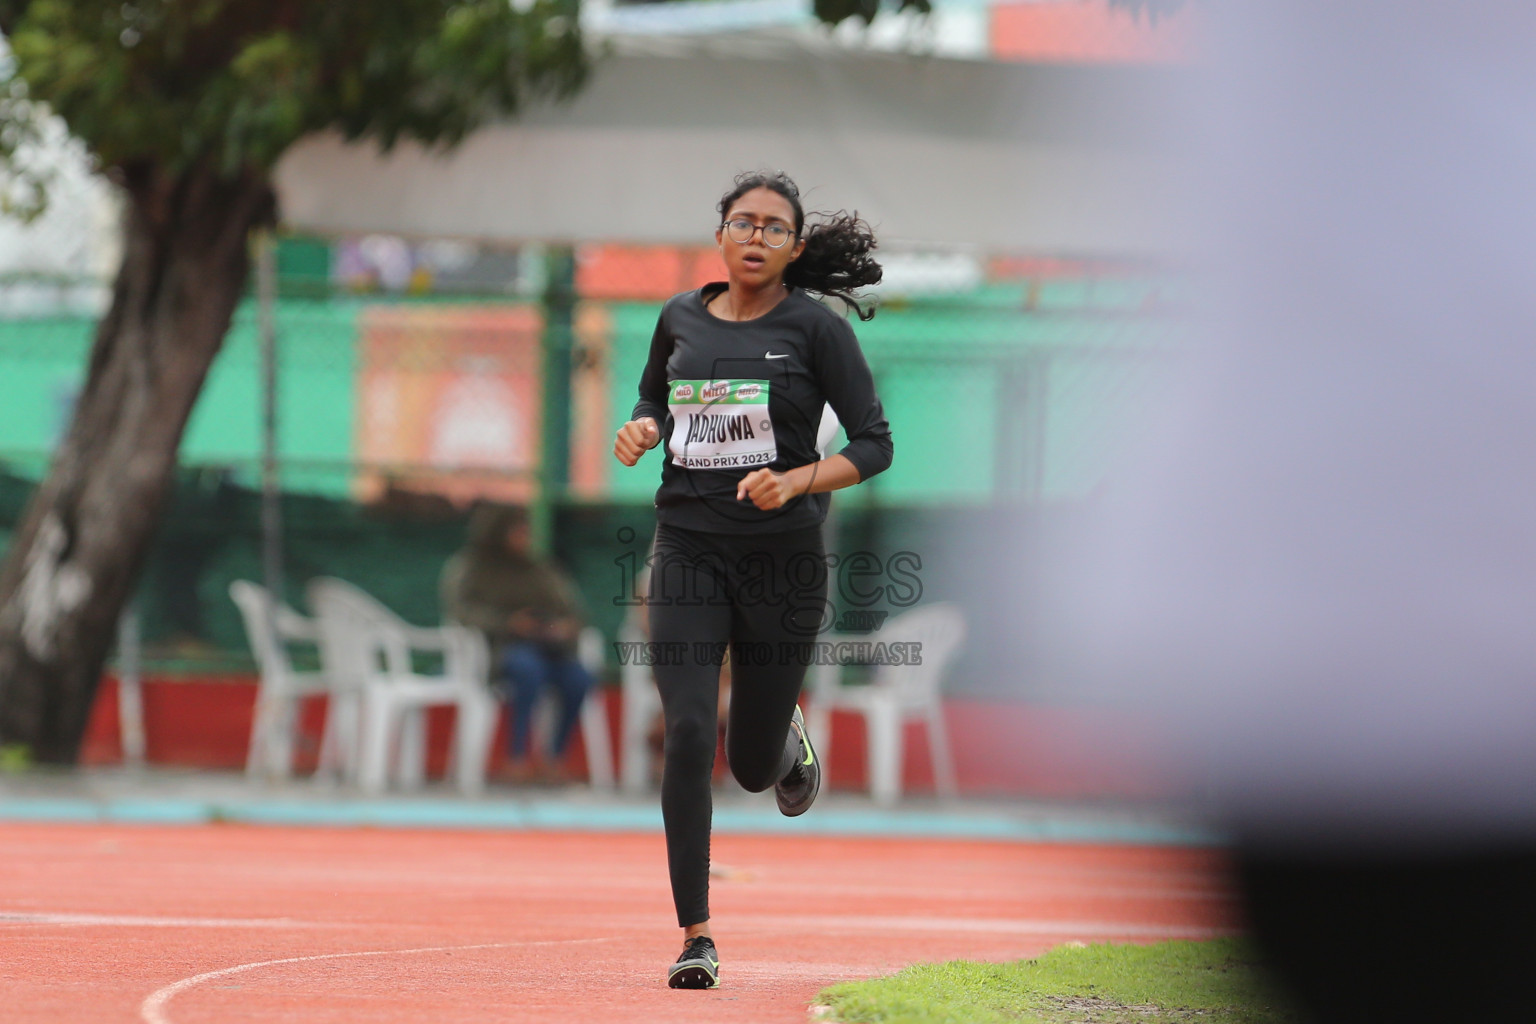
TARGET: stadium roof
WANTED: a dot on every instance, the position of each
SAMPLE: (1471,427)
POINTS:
(933,150)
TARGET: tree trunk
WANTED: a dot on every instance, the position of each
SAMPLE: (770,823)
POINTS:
(77,554)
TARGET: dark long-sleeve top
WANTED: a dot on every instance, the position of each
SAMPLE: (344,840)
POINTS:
(732,396)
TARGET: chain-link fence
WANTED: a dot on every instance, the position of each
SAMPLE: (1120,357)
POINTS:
(414,380)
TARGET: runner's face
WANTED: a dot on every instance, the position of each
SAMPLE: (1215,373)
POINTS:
(753,262)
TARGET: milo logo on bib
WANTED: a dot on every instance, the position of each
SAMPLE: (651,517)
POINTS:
(720,424)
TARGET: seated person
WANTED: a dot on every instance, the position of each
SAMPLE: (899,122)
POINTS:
(530,612)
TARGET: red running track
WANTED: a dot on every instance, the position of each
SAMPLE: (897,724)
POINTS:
(203,924)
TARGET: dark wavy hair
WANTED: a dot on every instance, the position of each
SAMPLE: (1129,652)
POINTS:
(836,259)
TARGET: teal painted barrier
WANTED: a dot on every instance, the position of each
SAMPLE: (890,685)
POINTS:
(556,815)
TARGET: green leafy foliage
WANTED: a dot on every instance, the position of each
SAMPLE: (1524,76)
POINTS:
(23,123)
(175,83)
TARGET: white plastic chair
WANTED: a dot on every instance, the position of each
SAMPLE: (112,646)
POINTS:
(367,645)
(641,702)
(895,695)
(280,687)
(594,713)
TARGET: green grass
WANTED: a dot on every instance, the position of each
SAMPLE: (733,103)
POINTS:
(1216,982)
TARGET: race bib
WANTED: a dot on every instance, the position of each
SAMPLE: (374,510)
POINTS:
(720,424)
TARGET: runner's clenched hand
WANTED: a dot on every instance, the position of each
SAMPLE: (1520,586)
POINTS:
(634,438)
(766,488)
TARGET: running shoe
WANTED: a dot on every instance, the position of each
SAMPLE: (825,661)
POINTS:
(797,790)
(698,967)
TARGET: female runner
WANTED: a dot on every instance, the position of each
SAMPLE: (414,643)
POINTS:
(735,384)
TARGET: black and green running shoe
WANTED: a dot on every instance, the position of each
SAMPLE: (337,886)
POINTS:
(797,790)
(698,967)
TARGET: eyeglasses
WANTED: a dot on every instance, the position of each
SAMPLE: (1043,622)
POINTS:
(741,231)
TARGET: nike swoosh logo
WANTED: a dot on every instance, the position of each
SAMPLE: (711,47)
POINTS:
(810,755)
(775,355)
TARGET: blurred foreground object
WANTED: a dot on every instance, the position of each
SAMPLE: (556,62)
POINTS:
(1321,577)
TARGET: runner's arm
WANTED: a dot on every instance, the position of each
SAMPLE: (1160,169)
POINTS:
(768,488)
(844,377)
(849,387)
(643,431)
(653,380)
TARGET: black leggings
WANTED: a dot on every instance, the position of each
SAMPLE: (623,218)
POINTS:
(765,595)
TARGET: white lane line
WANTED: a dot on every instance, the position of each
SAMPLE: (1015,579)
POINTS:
(763,880)
(827,974)
(152,1010)
(974,925)
(130,921)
